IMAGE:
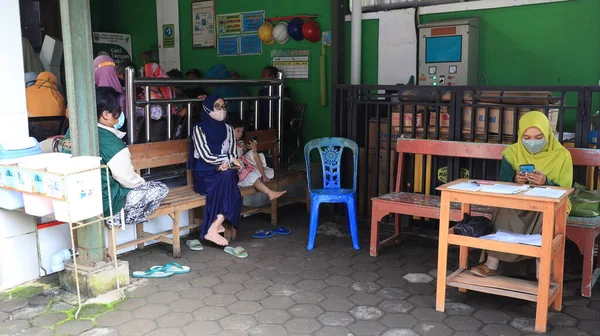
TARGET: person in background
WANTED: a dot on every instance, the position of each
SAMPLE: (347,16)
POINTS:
(43,97)
(158,113)
(105,74)
(236,76)
(270,72)
(31,61)
(213,160)
(553,167)
(124,64)
(194,90)
(255,171)
(220,71)
(133,199)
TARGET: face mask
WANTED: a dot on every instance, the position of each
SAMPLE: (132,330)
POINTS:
(218,115)
(534,146)
(121,121)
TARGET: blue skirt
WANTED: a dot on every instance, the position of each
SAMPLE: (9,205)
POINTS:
(222,196)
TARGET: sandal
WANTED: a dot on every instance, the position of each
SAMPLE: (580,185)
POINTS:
(194,245)
(261,234)
(482,271)
(173,267)
(152,273)
(282,231)
(238,252)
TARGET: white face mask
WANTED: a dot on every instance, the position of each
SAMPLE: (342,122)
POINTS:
(218,115)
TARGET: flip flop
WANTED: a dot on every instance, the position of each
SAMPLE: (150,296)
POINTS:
(156,273)
(173,267)
(261,234)
(282,231)
(238,252)
(194,245)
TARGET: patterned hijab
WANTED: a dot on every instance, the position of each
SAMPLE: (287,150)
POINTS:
(153,70)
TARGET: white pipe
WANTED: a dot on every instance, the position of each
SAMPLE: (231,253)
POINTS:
(57,261)
(356,42)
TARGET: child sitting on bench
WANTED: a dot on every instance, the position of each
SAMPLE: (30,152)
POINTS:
(255,171)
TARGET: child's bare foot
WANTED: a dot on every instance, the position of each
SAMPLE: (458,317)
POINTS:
(276,194)
(216,238)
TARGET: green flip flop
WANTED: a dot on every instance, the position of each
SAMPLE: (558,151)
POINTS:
(238,252)
(173,267)
(156,273)
(194,245)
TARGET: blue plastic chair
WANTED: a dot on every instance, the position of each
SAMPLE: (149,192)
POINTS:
(331,156)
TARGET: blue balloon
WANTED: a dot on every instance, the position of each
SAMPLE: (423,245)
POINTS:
(295,29)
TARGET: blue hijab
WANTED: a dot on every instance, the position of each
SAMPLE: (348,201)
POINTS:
(214,130)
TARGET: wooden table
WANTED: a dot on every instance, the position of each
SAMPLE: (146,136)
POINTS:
(551,253)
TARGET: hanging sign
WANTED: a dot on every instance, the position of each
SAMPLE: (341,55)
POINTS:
(117,46)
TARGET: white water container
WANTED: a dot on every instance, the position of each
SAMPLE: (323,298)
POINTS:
(81,186)
(11,154)
(31,180)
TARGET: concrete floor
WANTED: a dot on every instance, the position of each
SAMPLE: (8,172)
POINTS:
(283,289)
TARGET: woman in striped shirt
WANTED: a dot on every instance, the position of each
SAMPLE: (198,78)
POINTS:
(213,159)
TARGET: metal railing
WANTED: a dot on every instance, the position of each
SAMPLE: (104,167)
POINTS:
(132,102)
(375,116)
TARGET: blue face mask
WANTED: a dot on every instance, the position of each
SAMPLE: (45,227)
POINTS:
(121,121)
(534,146)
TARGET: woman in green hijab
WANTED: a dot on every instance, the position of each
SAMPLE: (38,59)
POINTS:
(553,167)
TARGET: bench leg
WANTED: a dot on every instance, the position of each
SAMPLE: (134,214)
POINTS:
(111,245)
(176,236)
(397,227)
(139,231)
(585,243)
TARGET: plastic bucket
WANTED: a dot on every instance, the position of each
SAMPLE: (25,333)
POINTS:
(10,155)
(31,180)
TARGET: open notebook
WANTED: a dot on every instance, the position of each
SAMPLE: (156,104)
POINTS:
(489,188)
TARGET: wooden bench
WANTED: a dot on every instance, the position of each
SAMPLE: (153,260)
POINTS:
(176,152)
(582,231)
(161,154)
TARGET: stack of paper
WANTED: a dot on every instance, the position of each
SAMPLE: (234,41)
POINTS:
(466,186)
(511,237)
(545,192)
(503,189)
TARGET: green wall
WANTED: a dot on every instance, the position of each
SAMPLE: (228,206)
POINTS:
(127,16)
(547,44)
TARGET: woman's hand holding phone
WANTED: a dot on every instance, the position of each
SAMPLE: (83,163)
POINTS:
(536,178)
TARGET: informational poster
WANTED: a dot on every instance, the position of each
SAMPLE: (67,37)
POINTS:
(228,46)
(118,46)
(168,36)
(203,24)
(250,45)
(229,24)
(293,63)
(251,21)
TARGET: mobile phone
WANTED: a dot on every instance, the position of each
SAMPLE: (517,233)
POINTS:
(527,168)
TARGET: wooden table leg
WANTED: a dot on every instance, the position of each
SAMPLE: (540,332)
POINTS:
(440,301)
(558,263)
(543,292)
(463,256)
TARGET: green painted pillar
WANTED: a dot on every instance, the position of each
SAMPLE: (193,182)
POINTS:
(77,41)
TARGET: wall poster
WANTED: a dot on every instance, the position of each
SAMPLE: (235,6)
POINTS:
(229,24)
(228,46)
(203,24)
(292,62)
